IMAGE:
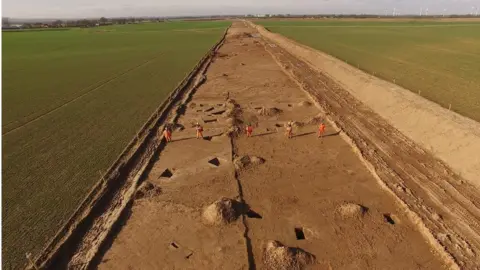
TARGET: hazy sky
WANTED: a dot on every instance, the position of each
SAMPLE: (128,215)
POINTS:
(108,8)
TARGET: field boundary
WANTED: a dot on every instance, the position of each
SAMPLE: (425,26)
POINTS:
(103,205)
(446,134)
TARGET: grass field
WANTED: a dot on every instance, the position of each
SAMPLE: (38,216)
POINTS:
(441,60)
(72,100)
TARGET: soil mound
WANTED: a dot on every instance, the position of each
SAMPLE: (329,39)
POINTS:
(221,212)
(147,190)
(232,131)
(305,104)
(279,257)
(269,111)
(247,161)
(352,210)
(295,124)
(233,109)
(315,120)
(231,103)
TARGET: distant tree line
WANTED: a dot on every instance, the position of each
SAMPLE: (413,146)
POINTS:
(358,16)
(83,23)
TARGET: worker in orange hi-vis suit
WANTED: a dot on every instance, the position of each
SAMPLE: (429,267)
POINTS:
(199,130)
(321,130)
(249,130)
(289,130)
(167,133)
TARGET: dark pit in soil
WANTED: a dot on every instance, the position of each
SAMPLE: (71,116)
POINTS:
(215,162)
(388,218)
(167,173)
(299,233)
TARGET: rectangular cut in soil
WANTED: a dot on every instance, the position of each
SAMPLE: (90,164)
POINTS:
(299,234)
(211,120)
(166,173)
(214,161)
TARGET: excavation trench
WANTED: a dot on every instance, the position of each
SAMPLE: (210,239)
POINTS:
(77,244)
(291,189)
(435,199)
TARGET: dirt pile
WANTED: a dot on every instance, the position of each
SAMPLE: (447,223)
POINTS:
(232,131)
(315,120)
(247,161)
(233,109)
(269,111)
(295,124)
(231,103)
(351,210)
(221,212)
(279,257)
(233,114)
(147,190)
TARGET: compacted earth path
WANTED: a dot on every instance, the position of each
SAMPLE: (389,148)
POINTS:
(229,201)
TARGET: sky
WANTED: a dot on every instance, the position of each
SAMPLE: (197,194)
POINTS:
(115,8)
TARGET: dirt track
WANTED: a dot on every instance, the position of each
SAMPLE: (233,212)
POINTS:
(302,184)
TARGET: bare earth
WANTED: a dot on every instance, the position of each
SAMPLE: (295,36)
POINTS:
(391,214)
(444,206)
(451,137)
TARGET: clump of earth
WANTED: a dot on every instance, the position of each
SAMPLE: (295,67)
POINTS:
(221,212)
(315,120)
(295,124)
(232,131)
(352,210)
(247,161)
(233,109)
(269,111)
(279,257)
(147,190)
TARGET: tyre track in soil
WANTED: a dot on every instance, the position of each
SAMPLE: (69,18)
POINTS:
(444,207)
(96,86)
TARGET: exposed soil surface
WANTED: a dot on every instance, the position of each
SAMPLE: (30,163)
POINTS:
(453,138)
(444,205)
(304,202)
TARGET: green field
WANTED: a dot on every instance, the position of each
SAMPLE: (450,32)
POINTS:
(441,60)
(72,100)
